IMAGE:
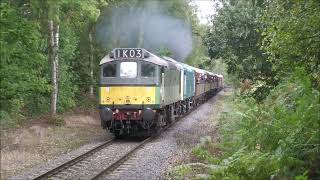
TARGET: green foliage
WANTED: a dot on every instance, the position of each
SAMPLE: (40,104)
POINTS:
(67,81)
(292,37)
(277,139)
(181,171)
(165,52)
(286,124)
(23,85)
(276,45)
(25,70)
(198,57)
(204,155)
(264,41)
(274,132)
(234,38)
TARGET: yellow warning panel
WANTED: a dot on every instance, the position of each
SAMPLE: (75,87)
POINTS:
(121,95)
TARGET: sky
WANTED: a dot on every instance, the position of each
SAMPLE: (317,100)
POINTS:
(205,9)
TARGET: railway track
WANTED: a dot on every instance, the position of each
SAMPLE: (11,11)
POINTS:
(120,161)
(62,170)
(111,168)
(73,161)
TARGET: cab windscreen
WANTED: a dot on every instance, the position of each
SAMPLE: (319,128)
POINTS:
(148,70)
(128,69)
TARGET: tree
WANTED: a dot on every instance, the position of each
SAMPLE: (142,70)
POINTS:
(53,31)
(23,85)
(33,31)
(50,51)
(265,41)
(235,37)
(292,37)
(83,14)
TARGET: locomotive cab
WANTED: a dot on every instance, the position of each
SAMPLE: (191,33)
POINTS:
(130,84)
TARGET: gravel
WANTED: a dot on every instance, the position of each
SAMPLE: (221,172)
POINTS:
(94,164)
(150,162)
(155,158)
(38,140)
(35,171)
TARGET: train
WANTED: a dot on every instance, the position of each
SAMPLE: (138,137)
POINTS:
(140,93)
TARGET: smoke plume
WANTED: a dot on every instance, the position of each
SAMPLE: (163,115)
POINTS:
(145,25)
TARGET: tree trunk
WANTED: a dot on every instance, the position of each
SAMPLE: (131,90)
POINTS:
(91,65)
(54,59)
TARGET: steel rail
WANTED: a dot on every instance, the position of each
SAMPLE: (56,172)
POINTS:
(122,159)
(125,157)
(114,165)
(72,162)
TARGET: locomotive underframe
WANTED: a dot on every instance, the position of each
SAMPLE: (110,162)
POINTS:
(144,122)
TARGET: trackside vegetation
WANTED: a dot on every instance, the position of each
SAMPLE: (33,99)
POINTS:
(272,53)
(269,51)
(50,50)
(278,138)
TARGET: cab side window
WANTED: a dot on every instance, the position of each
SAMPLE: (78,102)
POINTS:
(110,70)
(148,70)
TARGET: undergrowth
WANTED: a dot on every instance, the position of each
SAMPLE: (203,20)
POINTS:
(278,138)
(84,103)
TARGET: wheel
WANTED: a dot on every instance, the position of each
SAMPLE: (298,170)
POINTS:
(170,115)
(160,123)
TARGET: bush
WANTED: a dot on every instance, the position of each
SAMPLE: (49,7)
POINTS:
(22,65)
(275,139)
(284,129)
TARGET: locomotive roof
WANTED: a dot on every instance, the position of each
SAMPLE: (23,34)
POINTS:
(152,59)
(179,64)
(176,63)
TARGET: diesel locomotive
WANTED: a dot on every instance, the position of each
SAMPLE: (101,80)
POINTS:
(141,92)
